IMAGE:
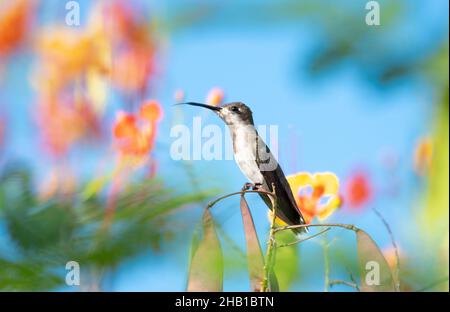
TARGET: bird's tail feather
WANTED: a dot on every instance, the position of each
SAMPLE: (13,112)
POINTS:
(289,215)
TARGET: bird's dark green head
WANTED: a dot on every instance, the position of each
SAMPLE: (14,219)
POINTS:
(235,113)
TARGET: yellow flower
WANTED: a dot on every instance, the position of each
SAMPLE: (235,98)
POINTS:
(215,96)
(316,195)
(423,154)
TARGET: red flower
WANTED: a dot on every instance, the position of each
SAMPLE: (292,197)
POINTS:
(63,123)
(132,68)
(133,44)
(14,20)
(358,189)
(134,134)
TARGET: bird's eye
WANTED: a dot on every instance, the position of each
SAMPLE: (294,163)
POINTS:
(234,109)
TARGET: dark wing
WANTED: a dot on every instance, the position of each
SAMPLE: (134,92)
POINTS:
(287,209)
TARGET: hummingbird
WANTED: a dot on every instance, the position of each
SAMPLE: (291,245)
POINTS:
(256,162)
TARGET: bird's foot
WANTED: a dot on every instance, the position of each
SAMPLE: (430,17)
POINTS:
(256,186)
(247,186)
(253,186)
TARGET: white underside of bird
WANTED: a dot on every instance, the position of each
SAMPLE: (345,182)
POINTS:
(245,147)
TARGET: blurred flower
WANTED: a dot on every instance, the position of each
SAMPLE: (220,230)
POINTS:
(62,123)
(121,21)
(14,21)
(423,154)
(77,63)
(390,255)
(358,189)
(117,46)
(66,56)
(215,96)
(60,182)
(132,68)
(134,134)
(133,46)
(316,194)
(179,96)
(70,75)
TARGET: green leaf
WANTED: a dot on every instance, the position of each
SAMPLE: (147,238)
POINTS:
(374,270)
(94,186)
(27,275)
(286,264)
(273,282)
(206,271)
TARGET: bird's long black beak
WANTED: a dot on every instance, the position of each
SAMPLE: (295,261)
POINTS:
(213,108)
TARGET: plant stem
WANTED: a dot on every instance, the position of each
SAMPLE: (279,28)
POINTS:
(341,225)
(327,266)
(304,239)
(268,263)
(342,282)
(394,244)
(212,203)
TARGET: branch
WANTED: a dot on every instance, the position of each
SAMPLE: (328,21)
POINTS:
(394,244)
(269,259)
(271,243)
(341,225)
(326,261)
(352,278)
(212,203)
(305,239)
(342,282)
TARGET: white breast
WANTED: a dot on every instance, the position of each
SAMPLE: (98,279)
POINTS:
(245,154)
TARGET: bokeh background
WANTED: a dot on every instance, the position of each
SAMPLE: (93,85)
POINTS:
(86,112)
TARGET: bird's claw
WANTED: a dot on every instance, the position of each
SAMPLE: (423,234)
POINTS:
(256,186)
(253,186)
(247,186)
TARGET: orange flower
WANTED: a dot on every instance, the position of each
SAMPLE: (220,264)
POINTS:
(68,55)
(132,68)
(316,194)
(14,20)
(134,134)
(358,189)
(423,155)
(122,22)
(215,96)
(390,254)
(133,46)
(64,123)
